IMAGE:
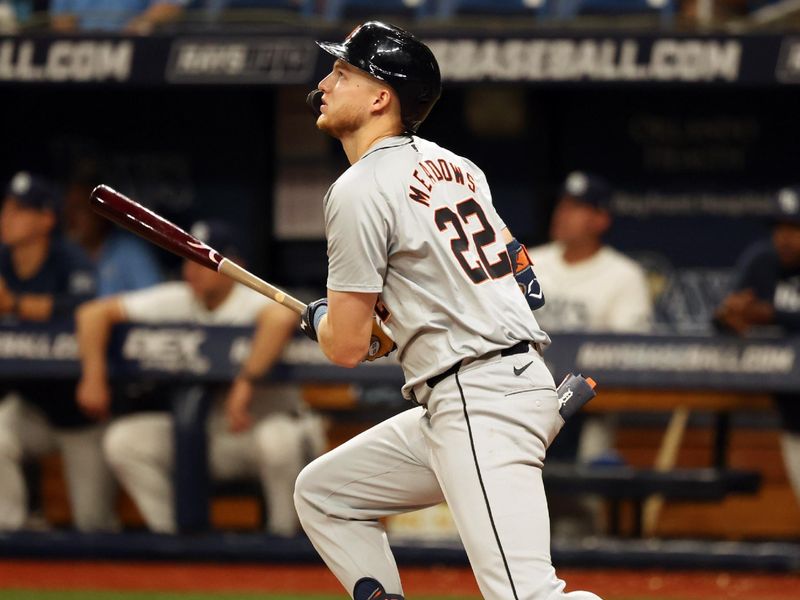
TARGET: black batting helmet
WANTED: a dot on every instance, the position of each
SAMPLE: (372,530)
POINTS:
(395,56)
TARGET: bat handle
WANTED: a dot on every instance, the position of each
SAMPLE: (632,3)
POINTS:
(245,277)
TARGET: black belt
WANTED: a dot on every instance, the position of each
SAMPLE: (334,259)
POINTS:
(519,348)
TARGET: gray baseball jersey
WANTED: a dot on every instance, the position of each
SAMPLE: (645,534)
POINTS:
(415,222)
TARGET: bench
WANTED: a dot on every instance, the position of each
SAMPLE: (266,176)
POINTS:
(619,484)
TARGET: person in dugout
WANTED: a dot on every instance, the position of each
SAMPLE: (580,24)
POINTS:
(259,430)
(44,277)
(766,292)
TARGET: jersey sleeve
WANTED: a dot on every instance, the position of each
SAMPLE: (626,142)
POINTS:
(77,279)
(164,303)
(130,265)
(757,269)
(357,225)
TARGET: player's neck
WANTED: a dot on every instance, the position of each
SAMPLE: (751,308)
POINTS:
(217,297)
(356,144)
(578,252)
(29,257)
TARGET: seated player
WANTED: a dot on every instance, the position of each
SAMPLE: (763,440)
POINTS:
(255,429)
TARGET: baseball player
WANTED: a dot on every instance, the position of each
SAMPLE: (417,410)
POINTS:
(766,292)
(43,277)
(411,227)
(255,429)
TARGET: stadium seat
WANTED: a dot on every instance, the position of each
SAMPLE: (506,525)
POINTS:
(449,8)
(664,9)
(213,9)
(338,9)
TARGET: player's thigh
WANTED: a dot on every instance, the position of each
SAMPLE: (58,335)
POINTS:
(28,425)
(489,436)
(382,471)
(280,441)
(141,437)
(231,455)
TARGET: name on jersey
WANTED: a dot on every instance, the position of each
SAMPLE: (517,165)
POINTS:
(431,172)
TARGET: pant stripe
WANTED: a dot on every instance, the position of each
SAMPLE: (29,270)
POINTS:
(483,488)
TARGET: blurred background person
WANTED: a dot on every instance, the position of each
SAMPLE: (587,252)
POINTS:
(255,429)
(588,287)
(766,292)
(44,277)
(124,262)
(129,16)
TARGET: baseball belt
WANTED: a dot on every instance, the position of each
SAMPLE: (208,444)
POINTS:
(518,348)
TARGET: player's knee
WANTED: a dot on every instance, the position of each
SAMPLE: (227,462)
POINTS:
(120,444)
(306,497)
(10,448)
(278,443)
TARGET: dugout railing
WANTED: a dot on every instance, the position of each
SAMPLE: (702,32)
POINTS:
(712,374)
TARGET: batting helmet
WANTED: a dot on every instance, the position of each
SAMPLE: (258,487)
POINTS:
(395,56)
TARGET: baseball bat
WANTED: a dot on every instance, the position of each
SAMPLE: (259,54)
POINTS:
(156,229)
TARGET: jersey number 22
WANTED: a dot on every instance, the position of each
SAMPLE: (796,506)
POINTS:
(460,245)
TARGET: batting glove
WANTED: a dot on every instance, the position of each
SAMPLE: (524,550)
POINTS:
(311,317)
(381,343)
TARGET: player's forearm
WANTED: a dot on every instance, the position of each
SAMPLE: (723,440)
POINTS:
(345,331)
(343,348)
(154,16)
(64,22)
(35,307)
(274,329)
(94,321)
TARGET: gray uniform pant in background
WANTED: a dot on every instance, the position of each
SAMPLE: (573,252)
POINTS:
(140,449)
(479,445)
(25,434)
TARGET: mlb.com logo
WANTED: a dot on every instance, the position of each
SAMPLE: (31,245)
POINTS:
(788,67)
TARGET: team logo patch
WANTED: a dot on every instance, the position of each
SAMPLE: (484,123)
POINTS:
(374,346)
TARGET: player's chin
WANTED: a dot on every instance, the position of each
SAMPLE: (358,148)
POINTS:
(327,125)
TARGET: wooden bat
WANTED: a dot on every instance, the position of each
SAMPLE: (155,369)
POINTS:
(156,229)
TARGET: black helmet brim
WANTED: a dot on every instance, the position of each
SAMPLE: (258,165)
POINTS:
(335,49)
(396,57)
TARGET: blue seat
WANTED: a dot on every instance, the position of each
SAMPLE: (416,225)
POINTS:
(338,9)
(213,9)
(664,9)
(449,8)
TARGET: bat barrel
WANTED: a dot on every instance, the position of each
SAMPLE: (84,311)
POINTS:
(143,222)
(156,229)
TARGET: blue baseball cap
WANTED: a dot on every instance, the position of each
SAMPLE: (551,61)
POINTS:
(33,191)
(786,206)
(218,234)
(587,187)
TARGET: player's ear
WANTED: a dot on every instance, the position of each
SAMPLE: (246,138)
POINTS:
(602,221)
(383,99)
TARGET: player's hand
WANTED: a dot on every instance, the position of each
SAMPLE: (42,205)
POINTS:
(93,395)
(311,317)
(237,405)
(381,344)
(742,310)
(758,312)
